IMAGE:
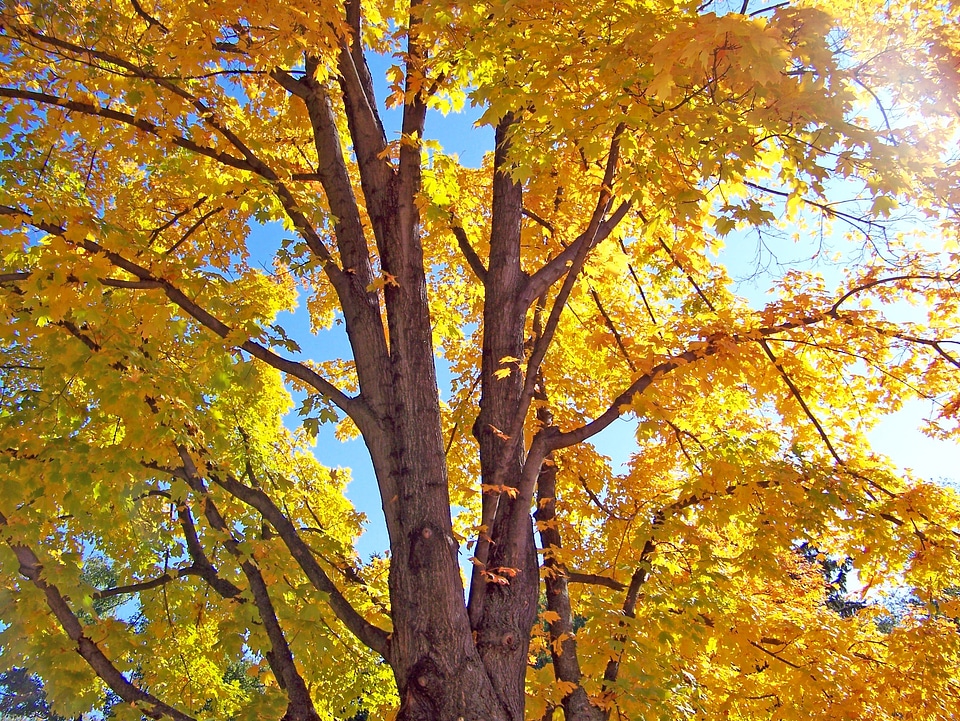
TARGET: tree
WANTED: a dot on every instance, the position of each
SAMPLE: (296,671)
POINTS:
(575,278)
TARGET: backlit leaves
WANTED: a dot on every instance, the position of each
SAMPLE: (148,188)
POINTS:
(162,216)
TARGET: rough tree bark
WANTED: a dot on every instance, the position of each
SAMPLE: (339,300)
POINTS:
(441,672)
(451,661)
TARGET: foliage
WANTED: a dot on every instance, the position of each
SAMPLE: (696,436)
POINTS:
(178,177)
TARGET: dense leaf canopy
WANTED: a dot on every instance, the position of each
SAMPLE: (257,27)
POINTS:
(177,177)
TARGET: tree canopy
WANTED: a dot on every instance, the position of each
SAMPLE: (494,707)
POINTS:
(176,178)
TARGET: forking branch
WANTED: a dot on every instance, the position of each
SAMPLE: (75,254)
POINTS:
(32,569)
(572,268)
(280,656)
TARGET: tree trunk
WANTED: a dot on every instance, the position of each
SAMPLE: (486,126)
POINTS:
(563,646)
(439,672)
(448,663)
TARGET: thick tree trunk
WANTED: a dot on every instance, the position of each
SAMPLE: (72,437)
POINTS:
(447,667)
(504,593)
(439,672)
(449,664)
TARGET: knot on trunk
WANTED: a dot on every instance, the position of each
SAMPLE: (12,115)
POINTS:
(424,689)
(504,638)
(430,547)
(434,692)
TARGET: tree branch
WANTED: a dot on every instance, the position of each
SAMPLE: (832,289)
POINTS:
(881,281)
(151,21)
(546,224)
(643,570)
(555,269)
(145,703)
(126,119)
(795,392)
(352,406)
(629,609)
(355,285)
(332,172)
(603,506)
(769,8)
(414,111)
(193,228)
(563,640)
(280,656)
(163,580)
(110,282)
(249,161)
(353,11)
(563,440)
(545,338)
(366,129)
(201,564)
(608,321)
(853,220)
(473,260)
(372,636)
(779,658)
(615,410)
(205,113)
(595,580)
(686,273)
